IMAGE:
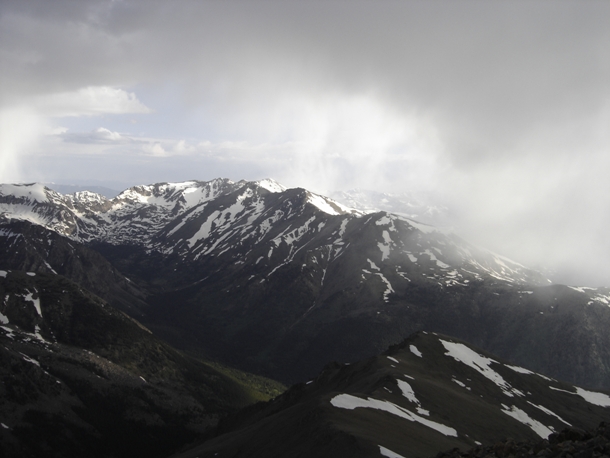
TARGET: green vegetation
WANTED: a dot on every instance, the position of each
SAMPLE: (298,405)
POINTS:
(260,388)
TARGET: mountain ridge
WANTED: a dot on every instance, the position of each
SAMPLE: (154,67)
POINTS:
(277,280)
(427,393)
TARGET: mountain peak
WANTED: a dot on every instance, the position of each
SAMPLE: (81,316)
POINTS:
(271,185)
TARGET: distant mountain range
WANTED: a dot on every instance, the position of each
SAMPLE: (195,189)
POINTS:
(109,193)
(280,282)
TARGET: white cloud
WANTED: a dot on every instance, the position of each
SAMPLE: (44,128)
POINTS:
(89,101)
(96,136)
(20,128)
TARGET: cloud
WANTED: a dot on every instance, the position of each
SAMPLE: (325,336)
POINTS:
(101,135)
(89,101)
(20,129)
(502,106)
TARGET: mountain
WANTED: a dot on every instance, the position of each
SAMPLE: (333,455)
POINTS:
(80,378)
(71,189)
(578,441)
(280,281)
(416,206)
(31,247)
(429,393)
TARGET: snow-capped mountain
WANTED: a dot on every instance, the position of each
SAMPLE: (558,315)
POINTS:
(195,219)
(280,281)
(428,394)
(137,212)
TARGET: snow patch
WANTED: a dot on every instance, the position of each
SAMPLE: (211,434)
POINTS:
(343,227)
(408,392)
(385,247)
(524,418)
(463,385)
(383,221)
(29,360)
(388,289)
(415,351)
(592,397)
(322,204)
(441,264)
(9,332)
(271,185)
(30,298)
(548,412)
(384,452)
(480,363)
(33,191)
(520,370)
(347,401)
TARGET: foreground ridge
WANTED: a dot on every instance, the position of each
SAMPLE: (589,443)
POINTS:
(428,393)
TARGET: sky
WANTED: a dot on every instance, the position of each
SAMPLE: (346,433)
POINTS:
(501,110)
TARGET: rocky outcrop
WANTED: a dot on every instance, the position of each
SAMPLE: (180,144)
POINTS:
(569,443)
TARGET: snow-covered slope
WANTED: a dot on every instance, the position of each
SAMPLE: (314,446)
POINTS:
(195,219)
(137,212)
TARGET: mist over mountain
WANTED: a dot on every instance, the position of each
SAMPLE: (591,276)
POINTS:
(429,271)
(278,281)
(425,208)
(430,207)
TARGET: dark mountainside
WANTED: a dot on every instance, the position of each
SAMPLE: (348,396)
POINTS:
(280,281)
(80,378)
(30,247)
(427,394)
(261,278)
(569,442)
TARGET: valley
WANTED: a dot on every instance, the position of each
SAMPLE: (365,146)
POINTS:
(181,292)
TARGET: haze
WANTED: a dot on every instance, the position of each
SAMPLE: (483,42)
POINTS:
(502,109)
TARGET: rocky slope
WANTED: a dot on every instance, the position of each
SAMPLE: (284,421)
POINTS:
(570,441)
(79,378)
(31,247)
(430,392)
